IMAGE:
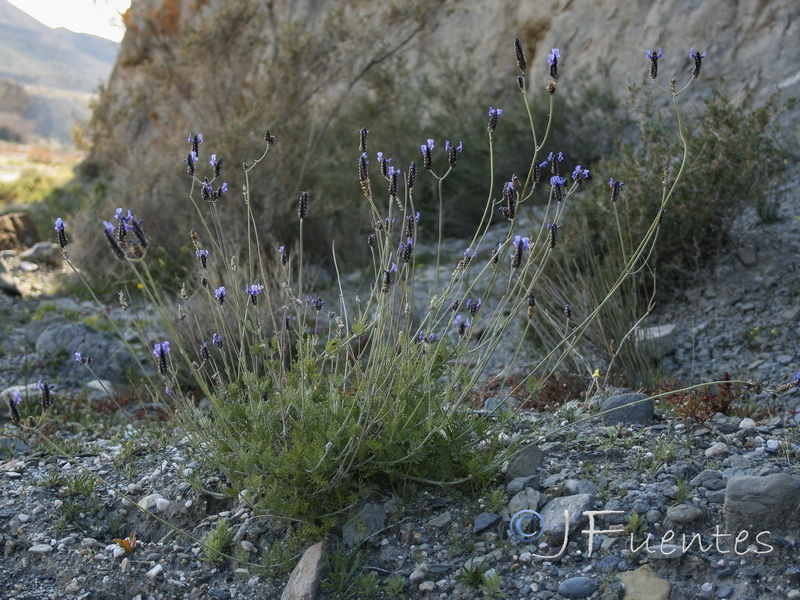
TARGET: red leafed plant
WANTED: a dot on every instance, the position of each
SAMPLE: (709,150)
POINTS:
(701,405)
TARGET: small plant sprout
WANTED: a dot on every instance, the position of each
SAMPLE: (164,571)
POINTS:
(128,544)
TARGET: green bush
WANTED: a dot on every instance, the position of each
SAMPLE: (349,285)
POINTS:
(313,401)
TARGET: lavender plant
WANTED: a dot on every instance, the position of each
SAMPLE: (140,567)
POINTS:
(313,397)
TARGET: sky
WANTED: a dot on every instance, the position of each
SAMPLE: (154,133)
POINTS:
(98,17)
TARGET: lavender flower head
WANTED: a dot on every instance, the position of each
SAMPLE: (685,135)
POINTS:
(615,188)
(426,149)
(698,59)
(13,403)
(47,400)
(474,307)
(552,60)
(453,152)
(202,256)
(494,116)
(316,303)
(519,245)
(217,340)
(284,255)
(653,57)
(109,230)
(160,351)
(253,291)
(216,164)
(462,324)
(60,228)
(579,174)
(557,182)
(219,294)
(553,233)
(84,360)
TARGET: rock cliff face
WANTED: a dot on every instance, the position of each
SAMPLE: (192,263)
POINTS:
(313,71)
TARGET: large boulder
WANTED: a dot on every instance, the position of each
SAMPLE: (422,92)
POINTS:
(18,231)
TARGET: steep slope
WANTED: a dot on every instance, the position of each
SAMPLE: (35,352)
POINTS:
(58,58)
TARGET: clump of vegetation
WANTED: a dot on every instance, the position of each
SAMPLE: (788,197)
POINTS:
(313,399)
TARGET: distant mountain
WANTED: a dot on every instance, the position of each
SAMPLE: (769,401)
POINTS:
(35,54)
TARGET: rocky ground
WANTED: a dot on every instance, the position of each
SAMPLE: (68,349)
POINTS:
(671,483)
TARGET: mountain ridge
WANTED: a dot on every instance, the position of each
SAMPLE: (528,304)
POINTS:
(39,55)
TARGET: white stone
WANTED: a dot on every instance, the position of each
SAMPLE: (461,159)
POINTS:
(149,501)
(427,586)
(747,424)
(716,449)
(154,572)
(162,504)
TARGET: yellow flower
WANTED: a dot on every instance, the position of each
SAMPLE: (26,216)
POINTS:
(596,374)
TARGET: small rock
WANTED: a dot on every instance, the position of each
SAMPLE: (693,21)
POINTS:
(747,423)
(683,513)
(248,547)
(525,463)
(419,574)
(442,520)
(485,521)
(747,256)
(363,524)
(149,502)
(40,548)
(577,587)
(515,486)
(162,504)
(766,503)
(154,572)
(427,586)
(716,449)
(665,551)
(709,479)
(644,584)
(43,253)
(526,500)
(305,578)
(552,514)
(219,593)
(636,409)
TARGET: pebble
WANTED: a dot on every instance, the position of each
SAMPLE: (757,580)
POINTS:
(40,549)
(154,572)
(485,521)
(577,587)
(683,513)
(716,449)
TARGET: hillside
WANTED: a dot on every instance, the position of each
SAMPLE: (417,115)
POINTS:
(56,58)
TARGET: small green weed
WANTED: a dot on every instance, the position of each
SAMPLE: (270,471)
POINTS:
(472,577)
(395,586)
(81,484)
(218,542)
(683,492)
(635,523)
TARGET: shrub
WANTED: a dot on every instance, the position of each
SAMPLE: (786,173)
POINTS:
(314,399)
